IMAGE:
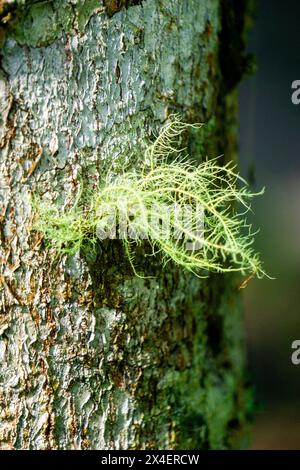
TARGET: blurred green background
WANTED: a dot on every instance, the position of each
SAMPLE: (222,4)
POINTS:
(269,156)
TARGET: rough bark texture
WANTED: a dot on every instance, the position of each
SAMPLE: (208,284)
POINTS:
(91,356)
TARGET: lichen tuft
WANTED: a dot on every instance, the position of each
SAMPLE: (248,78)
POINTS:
(225,241)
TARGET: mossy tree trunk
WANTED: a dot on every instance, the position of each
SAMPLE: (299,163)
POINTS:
(92,357)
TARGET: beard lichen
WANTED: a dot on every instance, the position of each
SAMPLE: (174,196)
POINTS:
(223,243)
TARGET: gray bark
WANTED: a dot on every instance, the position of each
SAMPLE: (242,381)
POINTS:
(91,356)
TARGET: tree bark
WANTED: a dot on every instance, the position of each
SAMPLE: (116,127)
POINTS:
(93,357)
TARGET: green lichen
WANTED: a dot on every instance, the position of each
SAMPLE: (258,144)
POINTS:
(167,191)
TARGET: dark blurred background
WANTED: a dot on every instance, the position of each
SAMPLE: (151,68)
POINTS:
(269,156)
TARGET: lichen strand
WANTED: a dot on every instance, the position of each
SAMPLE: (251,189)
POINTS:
(92,357)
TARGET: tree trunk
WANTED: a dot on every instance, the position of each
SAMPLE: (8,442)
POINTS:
(93,357)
